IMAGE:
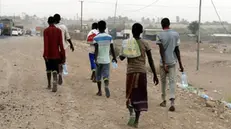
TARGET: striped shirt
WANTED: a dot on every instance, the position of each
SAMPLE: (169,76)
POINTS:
(104,41)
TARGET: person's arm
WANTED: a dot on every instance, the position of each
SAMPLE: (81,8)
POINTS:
(113,53)
(96,52)
(71,45)
(152,65)
(45,38)
(62,51)
(177,51)
(151,62)
(162,52)
(68,38)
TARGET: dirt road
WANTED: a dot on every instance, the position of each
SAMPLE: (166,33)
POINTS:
(26,103)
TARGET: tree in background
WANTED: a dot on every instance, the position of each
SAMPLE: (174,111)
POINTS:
(194,27)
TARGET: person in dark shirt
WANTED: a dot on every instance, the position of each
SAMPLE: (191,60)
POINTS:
(54,52)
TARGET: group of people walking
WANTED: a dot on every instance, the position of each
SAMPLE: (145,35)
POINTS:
(56,42)
(101,49)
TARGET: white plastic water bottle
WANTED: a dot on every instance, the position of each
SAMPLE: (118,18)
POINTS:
(184,81)
(65,72)
(204,96)
(114,65)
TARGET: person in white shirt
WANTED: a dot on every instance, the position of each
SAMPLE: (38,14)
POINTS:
(66,41)
(90,38)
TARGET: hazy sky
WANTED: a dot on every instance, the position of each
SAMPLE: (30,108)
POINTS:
(93,8)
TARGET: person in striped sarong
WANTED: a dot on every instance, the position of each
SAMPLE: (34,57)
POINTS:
(136,83)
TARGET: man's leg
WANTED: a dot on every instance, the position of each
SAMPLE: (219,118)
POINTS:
(49,79)
(48,71)
(93,76)
(172,85)
(98,79)
(106,74)
(163,86)
(137,119)
(55,79)
(131,114)
(60,74)
(55,69)
(93,66)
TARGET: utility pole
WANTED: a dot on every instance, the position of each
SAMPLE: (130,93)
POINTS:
(199,37)
(81,22)
(0,9)
(115,13)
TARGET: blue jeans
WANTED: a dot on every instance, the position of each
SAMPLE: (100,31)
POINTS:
(102,71)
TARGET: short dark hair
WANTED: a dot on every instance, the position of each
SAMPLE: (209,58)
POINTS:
(50,20)
(57,18)
(137,29)
(165,22)
(94,25)
(102,25)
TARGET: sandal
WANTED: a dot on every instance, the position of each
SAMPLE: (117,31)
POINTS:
(99,93)
(49,87)
(163,104)
(172,109)
(135,125)
(131,121)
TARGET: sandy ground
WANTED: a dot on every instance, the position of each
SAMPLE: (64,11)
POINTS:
(26,103)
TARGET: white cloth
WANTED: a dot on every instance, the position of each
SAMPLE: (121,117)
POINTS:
(65,34)
(94,31)
(92,48)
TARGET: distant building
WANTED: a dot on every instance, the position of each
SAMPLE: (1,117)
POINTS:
(150,34)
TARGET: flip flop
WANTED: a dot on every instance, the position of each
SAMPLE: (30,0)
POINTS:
(163,104)
(135,125)
(94,80)
(99,94)
(172,109)
(131,121)
(49,87)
